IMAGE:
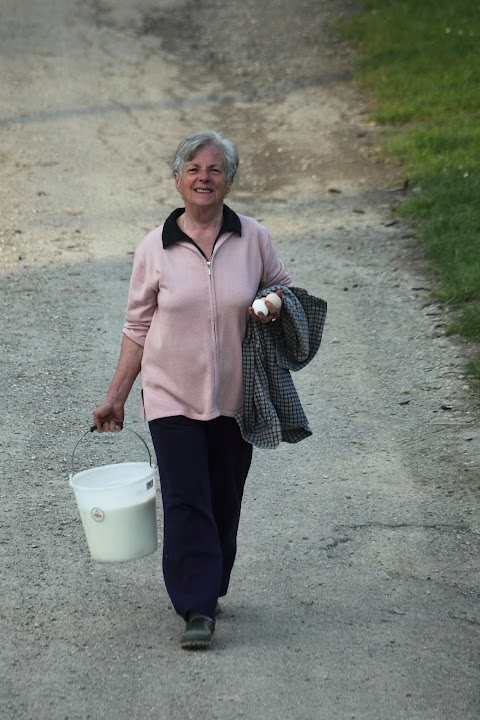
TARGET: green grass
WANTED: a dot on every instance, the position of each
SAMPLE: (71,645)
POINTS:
(420,62)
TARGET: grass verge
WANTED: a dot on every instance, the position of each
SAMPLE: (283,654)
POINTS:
(421,64)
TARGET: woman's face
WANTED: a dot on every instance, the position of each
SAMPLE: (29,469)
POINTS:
(203,182)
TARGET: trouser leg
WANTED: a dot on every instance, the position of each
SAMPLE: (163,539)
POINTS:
(229,462)
(192,558)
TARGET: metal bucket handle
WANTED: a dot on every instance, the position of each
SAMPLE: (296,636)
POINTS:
(92,429)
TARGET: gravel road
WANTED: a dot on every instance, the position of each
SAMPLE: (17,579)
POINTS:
(356,591)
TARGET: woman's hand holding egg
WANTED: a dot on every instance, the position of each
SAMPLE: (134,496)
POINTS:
(266,309)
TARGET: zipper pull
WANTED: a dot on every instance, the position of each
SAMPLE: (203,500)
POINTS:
(209,268)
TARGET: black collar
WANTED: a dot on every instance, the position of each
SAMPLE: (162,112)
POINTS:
(172,234)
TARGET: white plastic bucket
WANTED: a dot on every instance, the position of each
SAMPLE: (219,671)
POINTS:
(117,505)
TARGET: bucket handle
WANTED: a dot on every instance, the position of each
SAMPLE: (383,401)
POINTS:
(92,429)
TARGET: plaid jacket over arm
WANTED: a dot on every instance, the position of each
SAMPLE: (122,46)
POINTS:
(272,411)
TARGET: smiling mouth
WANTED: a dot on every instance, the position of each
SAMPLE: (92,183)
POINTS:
(198,190)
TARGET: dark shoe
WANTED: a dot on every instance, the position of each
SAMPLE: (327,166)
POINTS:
(198,633)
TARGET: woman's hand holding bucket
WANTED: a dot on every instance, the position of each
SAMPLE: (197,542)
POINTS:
(109,416)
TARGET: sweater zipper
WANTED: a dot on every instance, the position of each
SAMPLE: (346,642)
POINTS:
(214,314)
(214,323)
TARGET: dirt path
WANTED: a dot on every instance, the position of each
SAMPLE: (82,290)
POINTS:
(356,589)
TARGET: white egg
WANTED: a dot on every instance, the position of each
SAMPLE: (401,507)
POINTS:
(275,299)
(259,306)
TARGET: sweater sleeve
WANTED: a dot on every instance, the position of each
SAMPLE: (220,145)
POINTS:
(274,271)
(142,300)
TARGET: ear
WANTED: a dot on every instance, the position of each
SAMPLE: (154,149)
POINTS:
(177,182)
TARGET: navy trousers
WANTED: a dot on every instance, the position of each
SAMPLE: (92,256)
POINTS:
(203,466)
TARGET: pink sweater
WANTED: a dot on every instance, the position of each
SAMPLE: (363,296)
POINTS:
(190,316)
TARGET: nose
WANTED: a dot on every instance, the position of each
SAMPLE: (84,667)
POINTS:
(203,175)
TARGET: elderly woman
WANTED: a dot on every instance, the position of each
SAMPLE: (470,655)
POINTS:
(193,283)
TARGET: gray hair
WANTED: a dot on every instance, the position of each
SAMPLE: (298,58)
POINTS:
(191,144)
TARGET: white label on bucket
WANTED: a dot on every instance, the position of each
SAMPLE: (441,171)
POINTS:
(97,514)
